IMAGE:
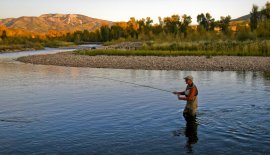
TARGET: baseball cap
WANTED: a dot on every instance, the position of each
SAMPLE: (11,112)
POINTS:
(189,78)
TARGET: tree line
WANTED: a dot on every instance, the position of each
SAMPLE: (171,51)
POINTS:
(144,29)
(178,26)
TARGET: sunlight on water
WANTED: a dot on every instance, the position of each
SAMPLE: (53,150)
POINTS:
(54,110)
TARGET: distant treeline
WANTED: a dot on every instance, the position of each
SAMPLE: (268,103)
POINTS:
(179,27)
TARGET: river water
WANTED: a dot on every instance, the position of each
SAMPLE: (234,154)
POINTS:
(66,110)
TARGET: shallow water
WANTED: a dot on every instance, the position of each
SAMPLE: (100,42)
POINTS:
(65,110)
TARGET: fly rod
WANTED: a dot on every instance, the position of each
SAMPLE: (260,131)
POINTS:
(131,83)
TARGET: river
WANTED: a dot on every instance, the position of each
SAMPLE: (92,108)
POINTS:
(67,110)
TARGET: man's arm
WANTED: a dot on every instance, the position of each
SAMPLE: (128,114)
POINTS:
(179,93)
(191,95)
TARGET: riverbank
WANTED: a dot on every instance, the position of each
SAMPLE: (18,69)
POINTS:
(18,48)
(194,63)
(32,46)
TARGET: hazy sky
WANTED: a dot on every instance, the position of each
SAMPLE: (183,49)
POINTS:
(122,10)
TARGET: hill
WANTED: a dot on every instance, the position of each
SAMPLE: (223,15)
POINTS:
(57,22)
(243,18)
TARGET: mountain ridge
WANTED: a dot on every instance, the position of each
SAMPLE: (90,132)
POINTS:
(57,22)
(242,18)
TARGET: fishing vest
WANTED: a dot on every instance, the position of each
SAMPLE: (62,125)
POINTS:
(188,88)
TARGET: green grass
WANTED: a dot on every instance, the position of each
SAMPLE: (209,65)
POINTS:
(10,46)
(258,48)
(20,47)
(165,53)
(196,48)
(57,43)
(206,48)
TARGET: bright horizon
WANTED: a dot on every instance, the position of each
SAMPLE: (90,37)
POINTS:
(122,10)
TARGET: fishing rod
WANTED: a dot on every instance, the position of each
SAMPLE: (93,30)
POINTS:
(140,85)
(131,83)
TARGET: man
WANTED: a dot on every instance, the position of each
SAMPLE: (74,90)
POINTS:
(191,94)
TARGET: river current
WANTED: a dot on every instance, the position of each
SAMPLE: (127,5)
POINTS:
(67,110)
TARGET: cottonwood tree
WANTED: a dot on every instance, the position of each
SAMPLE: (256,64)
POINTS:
(186,20)
(172,24)
(224,24)
(254,17)
(266,11)
(4,35)
(206,21)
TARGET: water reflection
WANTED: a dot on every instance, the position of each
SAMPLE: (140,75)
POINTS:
(191,134)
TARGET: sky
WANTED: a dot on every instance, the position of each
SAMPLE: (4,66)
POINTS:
(122,10)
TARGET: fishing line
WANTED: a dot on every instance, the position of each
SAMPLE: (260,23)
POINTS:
(140,85)
(131,83)
(136,84)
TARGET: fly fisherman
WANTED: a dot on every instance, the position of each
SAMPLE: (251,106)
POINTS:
(191,94)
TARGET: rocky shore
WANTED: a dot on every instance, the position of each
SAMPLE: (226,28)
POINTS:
(194,63)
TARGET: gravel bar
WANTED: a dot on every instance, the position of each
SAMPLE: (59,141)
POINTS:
(191,63)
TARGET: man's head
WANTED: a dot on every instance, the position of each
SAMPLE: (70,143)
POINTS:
(189,79)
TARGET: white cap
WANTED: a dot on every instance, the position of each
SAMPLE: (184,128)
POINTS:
(189,78)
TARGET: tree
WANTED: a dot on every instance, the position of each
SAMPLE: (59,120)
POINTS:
(132,28)
(148,25)
(206,21)
(211,22)
(263,30)
(141,24)
(254,17)
(172,24)
(266,11)
(69,37)
(77,38)
(157,29)
(85,35)
(105,33)
(186,20)
(116,32)
(4,35)
(161,22)
(201,19)
(224,24)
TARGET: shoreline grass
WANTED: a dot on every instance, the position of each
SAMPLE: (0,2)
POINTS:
(4,48)
(164,53)
(19,47)
(57,44)
(203,48)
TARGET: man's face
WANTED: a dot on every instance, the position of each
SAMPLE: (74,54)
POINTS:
(188,81)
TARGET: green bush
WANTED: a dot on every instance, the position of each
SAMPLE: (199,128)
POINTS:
(263,30)
(245,35)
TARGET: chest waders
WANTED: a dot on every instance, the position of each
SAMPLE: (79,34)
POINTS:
(191,105)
